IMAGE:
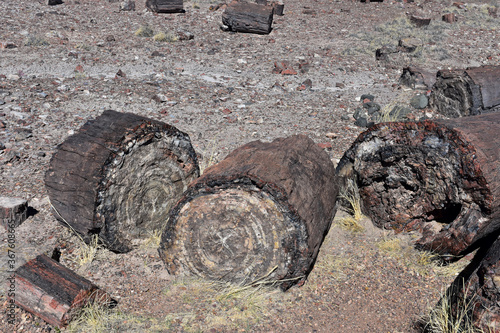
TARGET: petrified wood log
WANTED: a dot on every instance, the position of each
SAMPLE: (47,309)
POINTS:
(119,176)
(53,292)
(479,286)
(165,6)
(262,211)
(441,178)
(248,17)
(468,92)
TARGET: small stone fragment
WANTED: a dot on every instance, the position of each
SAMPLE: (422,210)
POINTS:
(13,211)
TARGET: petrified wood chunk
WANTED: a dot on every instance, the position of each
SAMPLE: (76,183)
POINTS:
(13,211)
(417,78)
(248,17)
(119,176)
(53,292)
(441,178)
(468,92)
(479,286)
(165,6)
(263,211)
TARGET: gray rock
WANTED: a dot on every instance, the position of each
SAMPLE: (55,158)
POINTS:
(419,101)
(127,6)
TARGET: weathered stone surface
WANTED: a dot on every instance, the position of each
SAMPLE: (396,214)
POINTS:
(13,211)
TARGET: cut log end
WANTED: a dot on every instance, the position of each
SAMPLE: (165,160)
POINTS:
(119,176)
(141,187)
(421,177)
(237,235)
(260,214)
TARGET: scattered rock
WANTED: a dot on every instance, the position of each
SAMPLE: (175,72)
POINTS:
(7,45)
(54,2)
(419,101)
(409,44)
(419,21)
(127,6)
(449,18)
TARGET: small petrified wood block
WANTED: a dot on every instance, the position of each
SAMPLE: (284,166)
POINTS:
(441,178)
(165,6)
(118,177)
(54,292)
(261,212)
(473,91)
(13,211)
(248,17)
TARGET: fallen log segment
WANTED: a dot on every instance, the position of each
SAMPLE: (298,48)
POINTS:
(473,91)
(53,292)
(261,212)
(481,290)
(441,178)
(166,6)
(118,177)
(248,17)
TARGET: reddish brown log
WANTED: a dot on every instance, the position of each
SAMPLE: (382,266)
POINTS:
(248,17)
(263,211)
(119,176)
(479,286)
(53,292)
(165,6)
(441,178)
(473,91)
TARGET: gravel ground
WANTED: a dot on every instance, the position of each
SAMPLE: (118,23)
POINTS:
(63,65)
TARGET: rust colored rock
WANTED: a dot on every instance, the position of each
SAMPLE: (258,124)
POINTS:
(248,17)
(118,177)
(261,212)
(440,178)
(468,92)
(449,18)
(53,292)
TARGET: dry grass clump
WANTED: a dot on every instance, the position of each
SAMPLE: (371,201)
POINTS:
(154,239)
(447,317)
(144,31)
(87,252)
(219,305)
(350,199)
(168,37)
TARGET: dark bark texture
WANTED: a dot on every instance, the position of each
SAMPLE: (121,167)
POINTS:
(53,292)
(441,178)
(165,6)
(479,286)
(473,91)
(248,17)
(119,176)
(262,211)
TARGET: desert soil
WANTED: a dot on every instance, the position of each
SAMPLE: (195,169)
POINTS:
(63,65)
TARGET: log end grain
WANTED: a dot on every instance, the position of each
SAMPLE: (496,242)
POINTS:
(262,212)
(426,177)
(119,176)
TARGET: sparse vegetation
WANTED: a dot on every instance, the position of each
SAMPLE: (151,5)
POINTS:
(352,202)
(153,241)
(144,31)
(447,317)
(87,252)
